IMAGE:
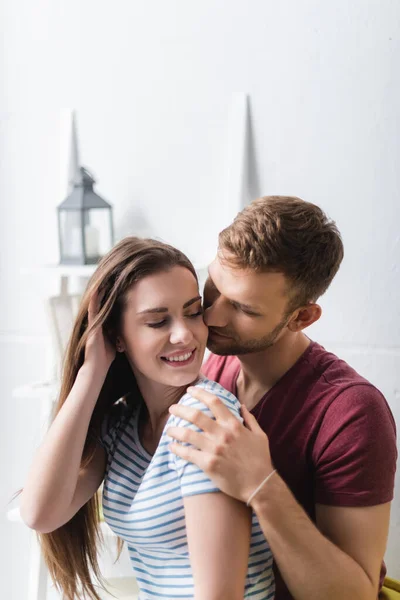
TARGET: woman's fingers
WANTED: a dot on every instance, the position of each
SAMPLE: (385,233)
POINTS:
(98,349)
(94,307)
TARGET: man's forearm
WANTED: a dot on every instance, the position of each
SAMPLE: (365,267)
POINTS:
(311,565)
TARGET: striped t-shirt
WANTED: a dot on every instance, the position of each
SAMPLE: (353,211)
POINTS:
(143,504)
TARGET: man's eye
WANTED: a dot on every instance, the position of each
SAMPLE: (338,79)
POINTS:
(248,313)
(243,310)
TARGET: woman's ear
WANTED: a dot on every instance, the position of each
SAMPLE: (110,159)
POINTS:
(119,345)
(115,339)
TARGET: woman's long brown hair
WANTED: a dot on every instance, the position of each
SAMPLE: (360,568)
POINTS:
(71,551)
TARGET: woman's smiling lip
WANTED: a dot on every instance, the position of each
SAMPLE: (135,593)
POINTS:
(178,353)
(179,363)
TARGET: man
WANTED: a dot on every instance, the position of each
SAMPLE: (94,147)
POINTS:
(322,433)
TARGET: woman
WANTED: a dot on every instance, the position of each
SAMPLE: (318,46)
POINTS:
(140,336)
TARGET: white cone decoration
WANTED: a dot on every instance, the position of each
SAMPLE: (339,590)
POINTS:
(237,152)
(74,161)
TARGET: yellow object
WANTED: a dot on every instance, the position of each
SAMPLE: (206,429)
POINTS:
(100,503)
(390,590)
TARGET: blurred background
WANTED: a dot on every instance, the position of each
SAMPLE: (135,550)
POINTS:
(185,111)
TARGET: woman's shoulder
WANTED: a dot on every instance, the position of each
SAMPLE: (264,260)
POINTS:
(216,388)
(226,397)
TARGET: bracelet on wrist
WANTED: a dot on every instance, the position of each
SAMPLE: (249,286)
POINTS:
(259,487)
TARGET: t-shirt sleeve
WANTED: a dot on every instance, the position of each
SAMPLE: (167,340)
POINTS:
(355,452)
(192,479)
(213,367)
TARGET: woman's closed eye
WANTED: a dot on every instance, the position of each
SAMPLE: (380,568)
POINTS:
(159,324)
(196,314)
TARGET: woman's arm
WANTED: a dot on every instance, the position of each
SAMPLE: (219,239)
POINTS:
(218,530)
(56,486)
(51,495)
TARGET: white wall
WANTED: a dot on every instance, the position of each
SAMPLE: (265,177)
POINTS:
(153,84)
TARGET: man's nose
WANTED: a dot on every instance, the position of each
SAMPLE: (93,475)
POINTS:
(215,315)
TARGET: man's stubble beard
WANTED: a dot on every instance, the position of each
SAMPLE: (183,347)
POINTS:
(237,347)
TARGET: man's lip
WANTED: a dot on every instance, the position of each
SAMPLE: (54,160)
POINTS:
(213,332)
(178,353)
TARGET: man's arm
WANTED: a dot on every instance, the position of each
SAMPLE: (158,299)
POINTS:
(341,560)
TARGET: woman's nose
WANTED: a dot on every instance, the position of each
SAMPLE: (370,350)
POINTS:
(181,334)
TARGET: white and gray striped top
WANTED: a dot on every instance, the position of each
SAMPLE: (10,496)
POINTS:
(143,504)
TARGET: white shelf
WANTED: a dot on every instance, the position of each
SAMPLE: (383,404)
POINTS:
(61,270)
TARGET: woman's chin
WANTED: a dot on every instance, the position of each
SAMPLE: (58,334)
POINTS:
(182,379)
(180,376)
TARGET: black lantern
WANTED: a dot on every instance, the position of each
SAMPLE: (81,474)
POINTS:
(85,224)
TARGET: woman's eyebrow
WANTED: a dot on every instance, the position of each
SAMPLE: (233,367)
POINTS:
(153,310)
(162,309)
(192,301)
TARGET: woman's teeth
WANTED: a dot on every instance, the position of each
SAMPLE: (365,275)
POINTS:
(180,358)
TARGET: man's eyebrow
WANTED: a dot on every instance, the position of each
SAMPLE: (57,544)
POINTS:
(247,307)
(162,309)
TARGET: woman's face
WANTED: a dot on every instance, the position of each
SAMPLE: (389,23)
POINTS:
(163,332)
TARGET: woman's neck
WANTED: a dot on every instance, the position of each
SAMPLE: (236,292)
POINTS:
(158,397)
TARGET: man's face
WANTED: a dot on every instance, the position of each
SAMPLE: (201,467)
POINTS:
(246,311)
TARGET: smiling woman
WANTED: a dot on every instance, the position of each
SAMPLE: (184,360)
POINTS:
(137,344)
(164,338)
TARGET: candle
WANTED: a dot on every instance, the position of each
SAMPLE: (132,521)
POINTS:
(75,242)
(91,241)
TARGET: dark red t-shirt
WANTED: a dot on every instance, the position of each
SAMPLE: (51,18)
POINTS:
(332,435)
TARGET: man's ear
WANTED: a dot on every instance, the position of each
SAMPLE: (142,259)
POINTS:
(304,317)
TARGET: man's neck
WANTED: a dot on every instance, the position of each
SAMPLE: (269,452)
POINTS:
(262,370)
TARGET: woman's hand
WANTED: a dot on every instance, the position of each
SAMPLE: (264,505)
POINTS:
(99,352)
